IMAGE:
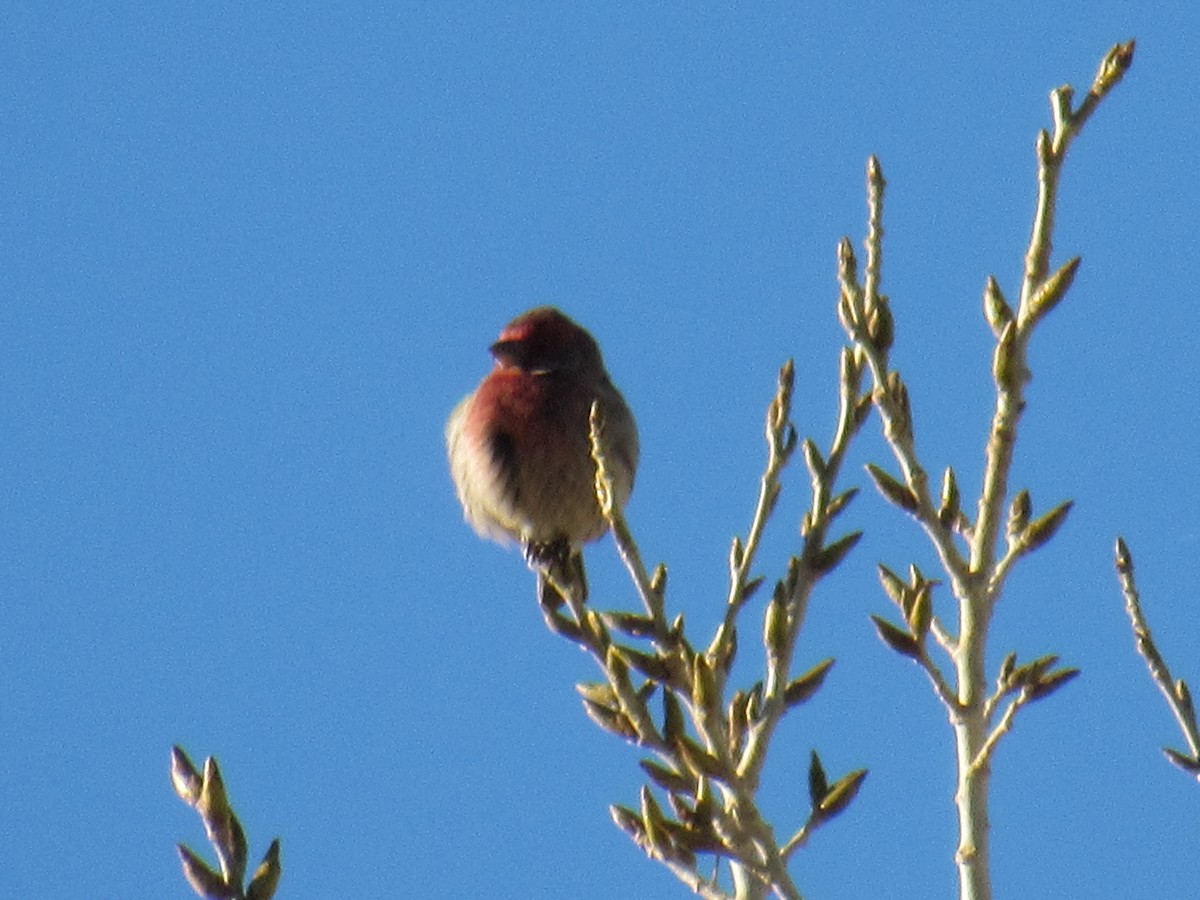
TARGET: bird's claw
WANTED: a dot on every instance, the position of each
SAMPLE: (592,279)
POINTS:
(547,554)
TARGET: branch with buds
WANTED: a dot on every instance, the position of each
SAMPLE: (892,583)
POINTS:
(975,559)
(709,742)
(205,793)
(1179,696)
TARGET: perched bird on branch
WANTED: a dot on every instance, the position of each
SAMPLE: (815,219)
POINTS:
(519,447)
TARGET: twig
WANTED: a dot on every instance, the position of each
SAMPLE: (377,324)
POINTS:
(1178,696)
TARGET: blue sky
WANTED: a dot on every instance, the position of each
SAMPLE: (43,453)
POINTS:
(251,257)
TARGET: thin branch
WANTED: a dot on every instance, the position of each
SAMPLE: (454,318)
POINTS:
(781,442)
(1003,727)
(945,639)
(803,575)
(872,332)
(630,556)
(1176,692)
(940,686)
(1010,364)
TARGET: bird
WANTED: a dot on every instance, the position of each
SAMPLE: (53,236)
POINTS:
(519,445)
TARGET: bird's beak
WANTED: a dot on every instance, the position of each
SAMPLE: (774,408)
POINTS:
(507,353)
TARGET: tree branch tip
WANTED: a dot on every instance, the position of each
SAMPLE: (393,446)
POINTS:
(787,372)
(1043,146)
(1115,64)
(846,257)
(1124,559)
(875,171)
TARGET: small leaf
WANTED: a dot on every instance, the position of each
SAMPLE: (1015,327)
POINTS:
(630,823)
(841,794)
(633,624)
(739,720)
(699,761)
(235,854)
(839,503)
(995,308)
(1004,678)
(818,784)
(801,689)
(616,667)
(1032,672)
(652,666)
(611,720)
(920,614)
(847,264)
(813,459)
(754,700)
(750,588)
(1113,67)
(266,876)
(185,777)
(1018,513)
(1005,369)
(728,652)
(775,627)
(204,880)
(1187,763)
(673,721)
(600,692)
(831,555)
(916,578)
(701,837)
(881,328)
(1045,527)
(668,779)
(737,553)
(1052,290)
(658,580)
(897,425)
(781,403)
(561,625)
(705,804)
(892,489)
(785,588)
(1051,683)
(655,823)
(221,825)
(704,684)
(894,586)
(951,506)
(676,635)
(850,372)
(896,638)
(213,802)
(681,806)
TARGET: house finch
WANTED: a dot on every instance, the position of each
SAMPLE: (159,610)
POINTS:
(519,447)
